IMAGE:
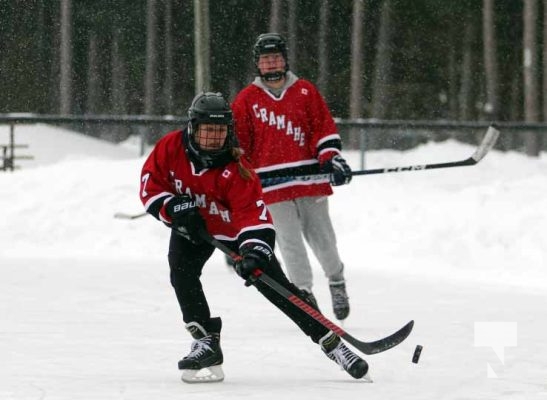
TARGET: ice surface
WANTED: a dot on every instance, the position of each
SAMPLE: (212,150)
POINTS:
(87,311)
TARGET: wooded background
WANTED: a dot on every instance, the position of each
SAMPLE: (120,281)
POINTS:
(388,59)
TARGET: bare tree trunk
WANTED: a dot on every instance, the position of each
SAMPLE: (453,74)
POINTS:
(382,75)
(119,88)
(7,41)
(292,35)
(41,57)
(466,87)
(516,96)
(508,140)
(275,16)
(65,62)
(254,25)
(544,60)
(202,46)
(356,84)
(531,76)
(119,76)
(151,57)
(93,76)
(490,59)
(453,73)
(54,73)
(168,83)
(323,73)
(150,76)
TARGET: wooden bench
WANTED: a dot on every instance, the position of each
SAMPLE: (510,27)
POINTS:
(8,157)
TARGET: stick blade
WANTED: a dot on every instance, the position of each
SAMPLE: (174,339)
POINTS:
(383,344)
(122,215)
(487,143)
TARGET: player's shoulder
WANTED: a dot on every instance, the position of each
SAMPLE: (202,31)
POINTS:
(174,135)
(231,171)
(249,90)
(169,145)
(171,137)
(304,84)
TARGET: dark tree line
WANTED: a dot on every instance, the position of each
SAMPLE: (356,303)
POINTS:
(389,59)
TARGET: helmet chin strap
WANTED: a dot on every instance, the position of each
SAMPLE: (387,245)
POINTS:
(273,76)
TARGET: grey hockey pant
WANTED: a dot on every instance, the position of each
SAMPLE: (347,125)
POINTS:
(306,218)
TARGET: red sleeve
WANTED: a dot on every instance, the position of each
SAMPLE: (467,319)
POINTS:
(155,186)
(249,211)
(325,141)
(243,120)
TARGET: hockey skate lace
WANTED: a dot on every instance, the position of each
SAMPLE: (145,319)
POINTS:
(199,347)
(343,356)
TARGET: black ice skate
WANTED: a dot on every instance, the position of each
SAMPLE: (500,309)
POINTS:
(350,362)
(340,300)
(204,362)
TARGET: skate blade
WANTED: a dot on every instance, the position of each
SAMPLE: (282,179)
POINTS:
(367,378)
(205,375)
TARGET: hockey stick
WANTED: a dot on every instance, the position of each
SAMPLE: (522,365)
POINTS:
(122,215)
(484,147)
(374,347)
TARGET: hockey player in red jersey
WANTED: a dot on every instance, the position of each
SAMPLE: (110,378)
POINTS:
(285,128)
(195,179)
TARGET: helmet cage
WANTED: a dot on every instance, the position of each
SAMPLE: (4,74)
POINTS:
(270,43)
(210,108)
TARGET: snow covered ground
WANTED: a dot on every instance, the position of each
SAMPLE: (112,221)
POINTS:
(87,312)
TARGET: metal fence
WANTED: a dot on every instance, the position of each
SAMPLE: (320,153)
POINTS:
(361,134)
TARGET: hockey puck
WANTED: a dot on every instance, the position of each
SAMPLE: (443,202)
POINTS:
(417,352)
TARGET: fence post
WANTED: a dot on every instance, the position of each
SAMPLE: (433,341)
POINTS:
(142,131)
(4,158)
(12,146)
(362,145)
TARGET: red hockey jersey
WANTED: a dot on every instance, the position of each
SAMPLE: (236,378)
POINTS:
(232,207)
(284,135)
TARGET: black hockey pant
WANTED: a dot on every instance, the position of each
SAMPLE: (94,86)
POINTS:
(186,261)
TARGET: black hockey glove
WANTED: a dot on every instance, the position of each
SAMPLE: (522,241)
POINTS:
(254,257)
(185,217)
(339,170)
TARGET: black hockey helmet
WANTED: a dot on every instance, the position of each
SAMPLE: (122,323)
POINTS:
(270,43)
(209,108)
